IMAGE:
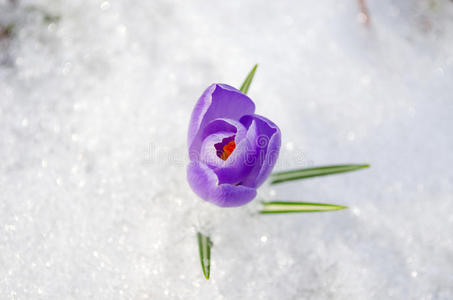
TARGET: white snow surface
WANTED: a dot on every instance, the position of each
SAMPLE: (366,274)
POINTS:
(95,99)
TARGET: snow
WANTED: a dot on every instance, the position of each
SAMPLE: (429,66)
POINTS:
(95,99)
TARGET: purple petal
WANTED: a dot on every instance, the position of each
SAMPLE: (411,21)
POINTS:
(208,152)
(225,125)
(214,133)
(267,144)
(217,101)
(204,183)
(237,167)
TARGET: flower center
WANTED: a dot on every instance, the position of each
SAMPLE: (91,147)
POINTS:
(225,148)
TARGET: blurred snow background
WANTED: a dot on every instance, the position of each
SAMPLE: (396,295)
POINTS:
(95,99)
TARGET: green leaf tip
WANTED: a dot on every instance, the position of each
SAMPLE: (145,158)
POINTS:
(278,207)
(204,248)
(313,172)
(248,80)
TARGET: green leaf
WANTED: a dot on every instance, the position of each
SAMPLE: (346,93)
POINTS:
(248,81)
(204,248)
(313,172)
(278,207)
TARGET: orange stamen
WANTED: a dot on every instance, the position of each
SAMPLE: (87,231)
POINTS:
(227,150)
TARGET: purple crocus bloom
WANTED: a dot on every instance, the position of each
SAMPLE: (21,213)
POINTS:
(231,149)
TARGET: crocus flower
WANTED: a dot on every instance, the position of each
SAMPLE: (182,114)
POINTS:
(231,149)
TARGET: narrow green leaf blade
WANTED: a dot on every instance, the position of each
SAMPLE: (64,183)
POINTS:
(313,172)
(204,248)
(278,207)
(248,80)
